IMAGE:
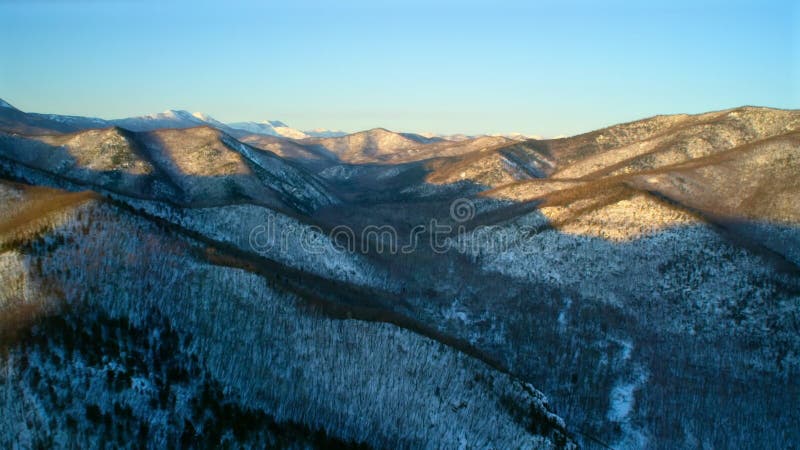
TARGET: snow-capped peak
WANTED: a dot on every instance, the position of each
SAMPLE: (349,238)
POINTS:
(171,118)
(177,114)
(203,116)
(270,128)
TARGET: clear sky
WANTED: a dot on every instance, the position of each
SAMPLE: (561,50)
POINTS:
(547,68)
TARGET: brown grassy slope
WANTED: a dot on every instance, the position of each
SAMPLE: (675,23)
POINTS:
(35,214)
(756,181)
(39,205)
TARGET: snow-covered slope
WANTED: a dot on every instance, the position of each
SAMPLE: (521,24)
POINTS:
(269,128)
(463,137)
(280,129)
(324,132)
(170,119)
(144,341)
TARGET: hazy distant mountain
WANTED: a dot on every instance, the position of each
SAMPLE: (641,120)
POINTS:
(280,129)
(518,136)
(463,137)
(269,128)
(167,119)
(380,144)
(372,144)
(323,133)
(367,144)
(14,120)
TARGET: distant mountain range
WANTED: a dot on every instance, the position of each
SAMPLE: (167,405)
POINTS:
(378,144)
(278,128)
(463,137)
(185,119)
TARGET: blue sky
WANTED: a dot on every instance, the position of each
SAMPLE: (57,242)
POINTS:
(547,68)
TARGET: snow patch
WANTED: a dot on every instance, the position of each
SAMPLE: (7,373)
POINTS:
(623,399)
(269,128)
(562,315)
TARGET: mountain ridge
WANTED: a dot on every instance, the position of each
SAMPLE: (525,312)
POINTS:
(177,118)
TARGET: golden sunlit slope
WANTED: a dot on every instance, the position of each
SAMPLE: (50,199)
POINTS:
(29,212)
(627,148)
(530,159)
(29,209)
(109,158)
(759,181)
(694,137)
(194,166)
(198,151)
(366,146)
(751,191)
(756,181)
(207,163)
(492,166)
(99,150)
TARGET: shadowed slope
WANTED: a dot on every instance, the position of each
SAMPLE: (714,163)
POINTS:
(291,363)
